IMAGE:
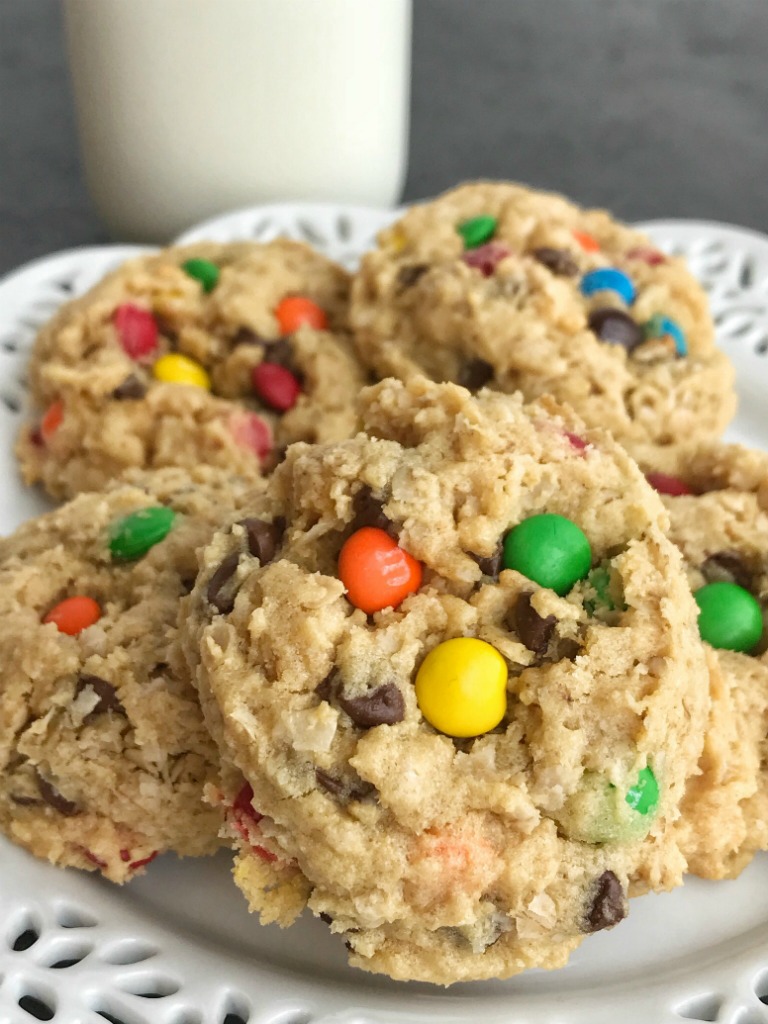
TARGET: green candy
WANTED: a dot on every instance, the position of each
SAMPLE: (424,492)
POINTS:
(550,550)
(729,617)
(477,230)
(204,271)
(133,535)
(643,797)
(600,812)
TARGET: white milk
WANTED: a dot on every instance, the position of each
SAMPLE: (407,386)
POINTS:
(187,108)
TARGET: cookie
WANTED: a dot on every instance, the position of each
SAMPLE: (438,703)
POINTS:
(103,750)
(496,284)
(453,671)
(213,354)
(718,508)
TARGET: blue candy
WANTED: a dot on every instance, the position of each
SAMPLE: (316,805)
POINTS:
(608,279)
(660,325)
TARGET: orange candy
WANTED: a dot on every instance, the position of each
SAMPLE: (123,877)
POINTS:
(376,571)
(51,420)
(295,311)
(587,242)
(74,614)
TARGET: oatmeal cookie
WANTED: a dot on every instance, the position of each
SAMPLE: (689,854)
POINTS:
(453,671)
(213,354)
(499,285)
(102,745)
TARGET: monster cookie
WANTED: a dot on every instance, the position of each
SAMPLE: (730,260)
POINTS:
(453,671)
(495,284)
(719,519)
(218,354)
(103,750)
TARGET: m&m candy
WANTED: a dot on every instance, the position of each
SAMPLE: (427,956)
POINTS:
(295,311)
(133,535)
(729,617)
(204,271)
(477,230)
(376,571)
(608,279)
(137,330)
(74,614)
(550,550)
(664,483)
(275,385)
(663,326)
(461,687)
(51,420)
(175,368)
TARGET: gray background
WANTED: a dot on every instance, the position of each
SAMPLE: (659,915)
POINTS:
(655,108)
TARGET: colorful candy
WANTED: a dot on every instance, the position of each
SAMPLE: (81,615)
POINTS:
(643,797)
(253,432)
(477,230)
(275,385)
(599,812)
(295,311)
(137,330)
(204,271)
(74,614)
(51,420)
(486,258)
(729,617)
(663,326)
(175,368)
(647,255)
(666,484)
(461,687)
(133,535)
(586,241)
(549,549)
(376,571)
(608,279)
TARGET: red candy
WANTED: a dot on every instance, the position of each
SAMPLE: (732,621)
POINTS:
(51,421)
(650,256)
(486,258)
(587,242)
(376,571)
(296,311)
(74,614)
(251,431)
(275,385)
(136,330)
(665,484)
(136,864)
(578,442)
(242,809)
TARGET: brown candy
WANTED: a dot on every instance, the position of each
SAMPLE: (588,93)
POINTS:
(475,374)
(106,692)
(131,388)
(559,261)
(534,631)
(263,538)
(383,706)
(54,799)
(218,593)
(609,904)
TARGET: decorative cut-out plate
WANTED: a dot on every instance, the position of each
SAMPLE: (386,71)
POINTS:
(177,946)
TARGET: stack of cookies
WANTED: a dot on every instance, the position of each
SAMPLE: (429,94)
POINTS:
(431,592)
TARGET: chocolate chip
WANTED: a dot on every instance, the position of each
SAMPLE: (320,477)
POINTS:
(25,801)
(218,594)
(727,567)
(408,276)
(534,631)
(475,374)
(106,692)
(326,917)
(489,565)
(264,538)
(382,706)
(330,783)
(280,352)
(53,798)
(616,327)
(609,905)
(559,261)
(131,388)
(165,326)
(325,689)
(369,512)
(246,336)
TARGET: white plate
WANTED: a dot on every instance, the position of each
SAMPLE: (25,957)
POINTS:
(178,946)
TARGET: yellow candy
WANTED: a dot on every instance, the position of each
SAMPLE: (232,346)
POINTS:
(175,368)
(461,687)
(396,240)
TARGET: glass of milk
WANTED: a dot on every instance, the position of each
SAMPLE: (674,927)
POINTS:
(187,108)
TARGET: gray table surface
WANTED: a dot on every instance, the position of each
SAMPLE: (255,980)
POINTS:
(654,108)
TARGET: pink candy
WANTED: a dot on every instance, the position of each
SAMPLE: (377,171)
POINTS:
(650,256)
(666,484)
(251,431)
(486,258)
(136,330)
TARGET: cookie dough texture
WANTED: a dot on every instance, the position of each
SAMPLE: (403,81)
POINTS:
(418,308)
(103,751)
(78,360)
(441,859)
(722,531)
